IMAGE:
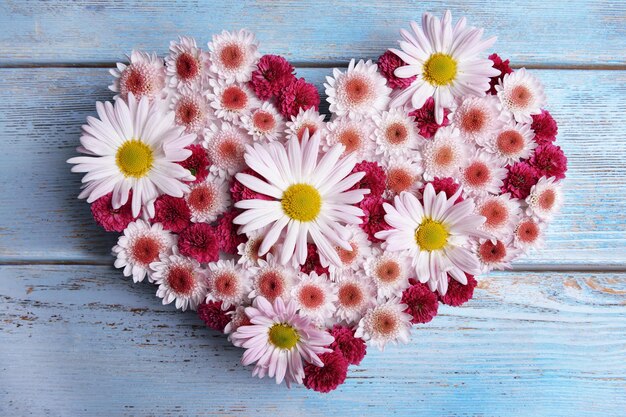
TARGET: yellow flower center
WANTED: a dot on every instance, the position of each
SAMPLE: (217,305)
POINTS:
(134,158)
(439,69)
(431,235)
(283,336)
(301,202)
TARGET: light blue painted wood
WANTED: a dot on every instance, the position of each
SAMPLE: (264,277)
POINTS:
(81,341)
(577,32)
(41,111)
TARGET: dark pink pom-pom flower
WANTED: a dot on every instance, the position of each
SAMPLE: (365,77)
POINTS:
(425,118)
(298,95)
(352,348)
(226,232)
(549,161)
(458,293)
(273,73)
(374,179)
(387,64)
(328,377)
(197,163)
(312,262)
(239,192)
(421,301)
(173,213)
(213,316)
(112,220)
(374,219)
(447,185)
(519,180)
(199,242)
(504,68)
(545,128)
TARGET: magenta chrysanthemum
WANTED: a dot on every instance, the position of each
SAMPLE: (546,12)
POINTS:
(199,241)
(111,219)
(425,119)
(328,377)
(387,64)
(273,73)
(352,348)
(549,161)
(421,301)
(298,95)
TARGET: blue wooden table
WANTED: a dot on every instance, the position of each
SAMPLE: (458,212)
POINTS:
(545,339)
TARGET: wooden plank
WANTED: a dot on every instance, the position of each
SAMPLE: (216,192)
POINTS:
(41,111)
(78,340)
(537,32)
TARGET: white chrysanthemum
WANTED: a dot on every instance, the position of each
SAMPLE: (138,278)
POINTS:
(521,95)
(270,279)
(444,154)
(226,145)
(231,101)
(352,259)
(249,250)
(191,110)
(396,133)
(446,61)
(390,272)
(355,295)
(140,245)
(481,174)
(512,143)
(238,319)
(403,173)
(132,147)
(208,199)
(310,120)
(264,123)
(180,279)
(501,213)
(356,135)
(528,234)
(187,66)
(477,118)
(385,323)
(315,297)
(434,235)
(234,55)
(545,198)
(494,254)
(360,91)
(144,76)
(310,197)
(228,283)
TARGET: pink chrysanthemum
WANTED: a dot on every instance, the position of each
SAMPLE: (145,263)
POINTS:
(199,241)
(273,73)
(112,220)
(144,76)
(328,377)
(352,348)
(458,293)
(425,119)
(519,180)
(239,192)
(549,161)
(197,163)
(387,64)
(172,212)
(374,219)
(545,127)
(421,301)
(313,263)
(374,179)
(213,316)
(504,68)
(226,232)
(298,95)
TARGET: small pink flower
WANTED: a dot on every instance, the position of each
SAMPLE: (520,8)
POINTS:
(425,119)
(352,348)
(549,161)
(421,301)
(387,64)
(298,95)
(172,212)
(374,179)
(545,127)
(504,68)
(328,377)
(112,220)
(458,293)
(199,242)
(273,73)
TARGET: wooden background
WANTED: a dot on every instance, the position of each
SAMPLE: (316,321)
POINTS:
(546,339)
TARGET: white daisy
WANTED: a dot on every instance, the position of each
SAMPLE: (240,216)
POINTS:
(180,279)
(521,95)
(315,297)
(140,245)
(187,66)
(144,76)
(208,199)
(191,110)
(234,55)
(228,283)
(444,154)
(355,295)
(501,213)
(396,133)
(512,143)
(264,123)
(389,271)
(528,234)
(403,173)
(231,101)
(481,174)
(132,147)
(305,120)
(270,279)
(477,118)
(446,62)
(309,197)
(226,145)
(385,323)
(494,254)
(352,259)
(434,235)
(360,91)
(356,135)
(545,198)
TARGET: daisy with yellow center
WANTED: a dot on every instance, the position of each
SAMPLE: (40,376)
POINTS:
(445,60)
(434,235)
(133,147)
(310,198)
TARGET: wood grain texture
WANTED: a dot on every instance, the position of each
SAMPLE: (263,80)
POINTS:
(536,32)
(81,341)
(41,111)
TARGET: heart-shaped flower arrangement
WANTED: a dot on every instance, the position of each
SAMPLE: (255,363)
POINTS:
(306,240)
